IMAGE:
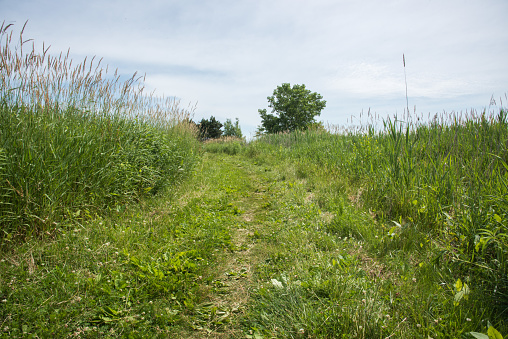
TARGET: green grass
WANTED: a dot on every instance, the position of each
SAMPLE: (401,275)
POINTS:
(334,284)
(76,143)
(134,273)
(227,145)
(117,223)
(247,247)
(434,194)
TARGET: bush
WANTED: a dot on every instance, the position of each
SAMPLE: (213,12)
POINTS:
(228,145)
(232,130)
(210,129)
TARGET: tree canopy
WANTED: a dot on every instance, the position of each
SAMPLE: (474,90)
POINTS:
(232,130)
(295,108)
(210,129)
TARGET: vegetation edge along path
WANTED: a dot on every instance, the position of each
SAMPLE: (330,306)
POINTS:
(247,248)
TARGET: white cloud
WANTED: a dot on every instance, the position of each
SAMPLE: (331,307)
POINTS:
(230,55)
(364,80)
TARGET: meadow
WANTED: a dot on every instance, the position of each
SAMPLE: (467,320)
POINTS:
(77,142)
(117,222)
(434,195)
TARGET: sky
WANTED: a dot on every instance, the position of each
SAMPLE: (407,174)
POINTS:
(227,56)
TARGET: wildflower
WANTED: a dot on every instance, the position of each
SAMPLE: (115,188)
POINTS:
(276,283)
(468,319)
(301,331)
(418,325)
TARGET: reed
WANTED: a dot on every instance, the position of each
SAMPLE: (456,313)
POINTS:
(446,175)
(77,141)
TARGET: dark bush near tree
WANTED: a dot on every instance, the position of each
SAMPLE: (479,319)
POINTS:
(210,129)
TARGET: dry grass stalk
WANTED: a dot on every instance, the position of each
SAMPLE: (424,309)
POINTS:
(35,79)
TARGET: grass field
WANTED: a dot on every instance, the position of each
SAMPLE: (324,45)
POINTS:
(117,222)
(245,248)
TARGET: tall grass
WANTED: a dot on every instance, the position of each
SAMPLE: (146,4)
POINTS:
(76,141)
(447,176)
(228,145)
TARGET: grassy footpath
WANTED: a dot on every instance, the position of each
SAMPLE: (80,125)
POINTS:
(159,270)
(247,248)
(323,267)
(113,222)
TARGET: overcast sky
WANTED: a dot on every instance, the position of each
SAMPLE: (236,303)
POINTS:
(229,55)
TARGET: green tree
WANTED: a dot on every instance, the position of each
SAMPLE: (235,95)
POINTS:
(210,129)
(295,108)
(232,130)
